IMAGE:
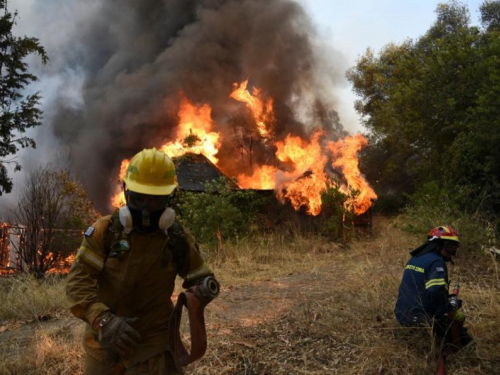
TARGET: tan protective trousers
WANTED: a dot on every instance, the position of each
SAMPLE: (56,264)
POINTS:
(161,364)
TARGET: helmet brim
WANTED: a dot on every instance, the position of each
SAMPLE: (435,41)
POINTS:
(150,189)
(450,238)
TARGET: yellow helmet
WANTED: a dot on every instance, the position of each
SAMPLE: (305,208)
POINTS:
(151,172)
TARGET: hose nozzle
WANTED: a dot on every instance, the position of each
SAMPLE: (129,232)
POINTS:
(208,289)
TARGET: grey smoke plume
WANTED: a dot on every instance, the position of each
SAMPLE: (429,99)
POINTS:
(122,63)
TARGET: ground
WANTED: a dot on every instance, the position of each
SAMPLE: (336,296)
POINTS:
(329,313)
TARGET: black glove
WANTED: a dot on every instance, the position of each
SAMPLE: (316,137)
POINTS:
(116,333)
(454,303)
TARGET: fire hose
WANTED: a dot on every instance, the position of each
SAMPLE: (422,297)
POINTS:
(194,300)
(454,331)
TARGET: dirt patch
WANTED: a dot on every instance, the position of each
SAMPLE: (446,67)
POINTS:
(256,303)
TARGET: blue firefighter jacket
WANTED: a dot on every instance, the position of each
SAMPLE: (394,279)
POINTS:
(423,293)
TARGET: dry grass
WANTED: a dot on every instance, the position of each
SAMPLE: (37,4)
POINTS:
(54,349)
(295,305)
(26,298)
(263,258)
(347,326)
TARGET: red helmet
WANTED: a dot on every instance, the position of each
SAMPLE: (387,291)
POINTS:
(444,232)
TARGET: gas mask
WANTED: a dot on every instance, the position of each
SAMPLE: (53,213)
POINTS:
(146,213)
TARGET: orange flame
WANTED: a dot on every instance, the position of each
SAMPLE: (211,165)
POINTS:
(306,157)
(344,152)
(263,177)
(300,190)
(61,266)
(194,133)
(262,112)
(118,198)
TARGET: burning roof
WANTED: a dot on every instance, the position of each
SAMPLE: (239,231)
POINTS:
(194,171)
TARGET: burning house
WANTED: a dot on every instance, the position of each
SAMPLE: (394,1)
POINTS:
(194,171)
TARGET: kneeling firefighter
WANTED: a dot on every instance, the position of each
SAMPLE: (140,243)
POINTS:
(424,298)
(124,274)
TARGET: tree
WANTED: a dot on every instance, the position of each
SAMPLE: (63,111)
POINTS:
(490,15)
(431,106)
(52,210)
(17,112)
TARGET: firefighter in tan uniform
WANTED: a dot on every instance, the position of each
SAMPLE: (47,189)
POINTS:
(124,274)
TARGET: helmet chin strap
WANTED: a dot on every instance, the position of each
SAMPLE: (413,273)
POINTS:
(167,218)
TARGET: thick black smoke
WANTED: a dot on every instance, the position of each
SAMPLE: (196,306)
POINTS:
(136,56)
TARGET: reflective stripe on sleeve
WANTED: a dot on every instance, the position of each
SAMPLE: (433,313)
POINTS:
(414,268)
(434,282)
(91,257)
(200,271)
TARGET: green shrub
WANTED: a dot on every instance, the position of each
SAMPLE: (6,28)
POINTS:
(338,213)
(432,206)
(219,211)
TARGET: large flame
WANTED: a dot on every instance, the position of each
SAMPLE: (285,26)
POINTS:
(344,153)
(262,110)
(299,174)
(194,132)
(305,157)
(304,182)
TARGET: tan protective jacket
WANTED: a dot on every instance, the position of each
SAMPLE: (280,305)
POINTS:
(137,283)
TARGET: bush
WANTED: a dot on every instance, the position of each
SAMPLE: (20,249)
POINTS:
(432,206)
(219,211)
(338,212)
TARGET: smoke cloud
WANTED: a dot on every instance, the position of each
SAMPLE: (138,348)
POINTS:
(117,68)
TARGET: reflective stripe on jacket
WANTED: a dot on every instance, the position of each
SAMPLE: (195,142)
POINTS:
(137,283)
(423,293)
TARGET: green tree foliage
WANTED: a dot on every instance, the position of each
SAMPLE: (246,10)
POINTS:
(490,15)
(432,206)
(52,210)
(17,112)
(220,212)
(432,108)
(337,210)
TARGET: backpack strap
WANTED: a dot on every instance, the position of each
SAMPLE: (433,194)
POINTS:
(179,246)
(115,239)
